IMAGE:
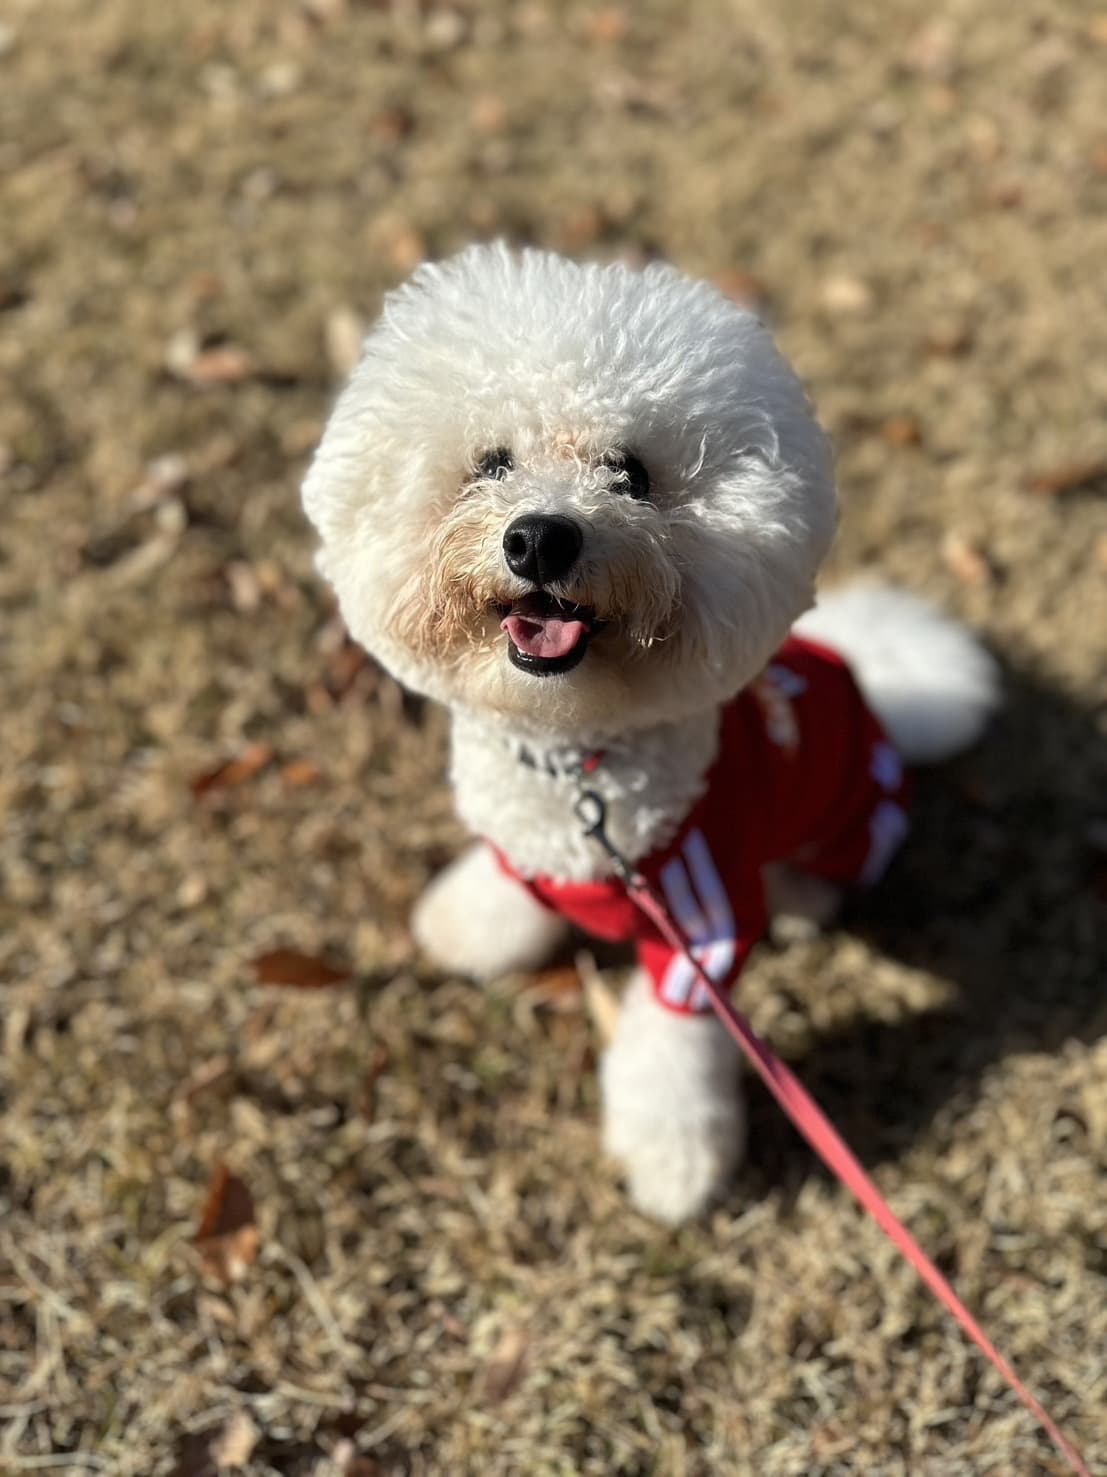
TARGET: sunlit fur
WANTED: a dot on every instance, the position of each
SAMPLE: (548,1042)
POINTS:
(697,584)
(625,571)
(565,364)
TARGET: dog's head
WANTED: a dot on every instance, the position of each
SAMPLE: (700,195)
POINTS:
(583,498)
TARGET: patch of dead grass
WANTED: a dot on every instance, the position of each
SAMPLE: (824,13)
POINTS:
(447,1276)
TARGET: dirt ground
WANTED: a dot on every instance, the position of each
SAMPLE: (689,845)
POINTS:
(423,1264)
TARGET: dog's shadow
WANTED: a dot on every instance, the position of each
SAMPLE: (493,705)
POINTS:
(1000,891)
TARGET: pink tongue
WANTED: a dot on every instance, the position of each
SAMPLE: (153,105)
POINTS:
(544,636)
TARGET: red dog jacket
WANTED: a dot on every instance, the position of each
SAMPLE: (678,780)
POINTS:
(804,774)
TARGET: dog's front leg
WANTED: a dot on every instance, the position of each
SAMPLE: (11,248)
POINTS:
(673,1113)
(478,921)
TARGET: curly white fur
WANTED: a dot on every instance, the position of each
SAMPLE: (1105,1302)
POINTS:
(476,919)
(930,682)
(695,585)
(565,364)
(674,1115)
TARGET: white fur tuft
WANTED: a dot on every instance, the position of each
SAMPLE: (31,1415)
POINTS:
(565,366)
(673,1114)
(930,681)
(476,919)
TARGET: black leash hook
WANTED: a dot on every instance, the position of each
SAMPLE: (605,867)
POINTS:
(590,808)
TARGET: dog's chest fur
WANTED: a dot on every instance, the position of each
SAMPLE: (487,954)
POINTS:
(514,790)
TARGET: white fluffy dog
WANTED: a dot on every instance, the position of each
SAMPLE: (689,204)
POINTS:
(584,506)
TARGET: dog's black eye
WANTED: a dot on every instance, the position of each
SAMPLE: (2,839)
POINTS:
(629,475)
(495,464)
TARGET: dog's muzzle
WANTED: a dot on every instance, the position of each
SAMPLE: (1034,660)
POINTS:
(546,636)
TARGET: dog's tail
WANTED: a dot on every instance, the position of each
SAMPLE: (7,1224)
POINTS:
(928,678)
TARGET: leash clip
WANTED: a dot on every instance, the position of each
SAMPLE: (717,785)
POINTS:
(590,809)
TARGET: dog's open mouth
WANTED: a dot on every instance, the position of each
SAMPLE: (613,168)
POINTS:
(546,635)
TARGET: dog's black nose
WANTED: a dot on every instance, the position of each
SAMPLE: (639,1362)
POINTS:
(542,547)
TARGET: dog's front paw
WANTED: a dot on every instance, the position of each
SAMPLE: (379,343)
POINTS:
(475,919)
(673,1112)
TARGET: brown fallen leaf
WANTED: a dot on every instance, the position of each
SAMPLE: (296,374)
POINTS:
(391,125)
(226,365)
(1068,477)
(967,561)
(507,1367)
(489,113)
(228,1236)
(562,980)
(301,971)
(300,773)
(607,26)
(740,286)
(901,430)
(228,1206)
(344,668)
(221,364)
(582,227)
(253,759)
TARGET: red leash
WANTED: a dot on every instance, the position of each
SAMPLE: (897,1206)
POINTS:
(817,1128)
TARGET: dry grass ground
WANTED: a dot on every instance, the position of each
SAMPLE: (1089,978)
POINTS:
(197,203)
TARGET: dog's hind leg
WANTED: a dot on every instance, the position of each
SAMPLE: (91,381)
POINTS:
(475,919)
(673,1112)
